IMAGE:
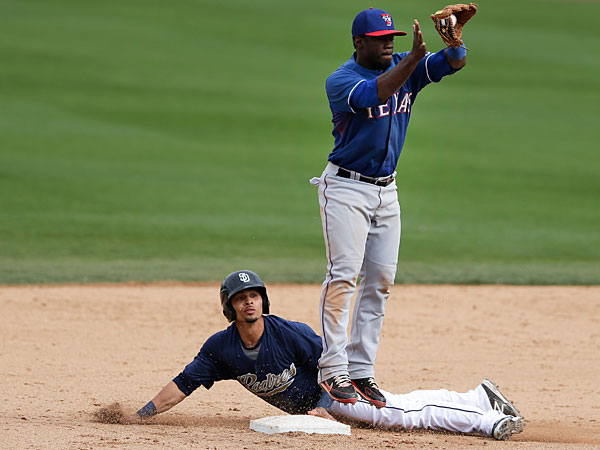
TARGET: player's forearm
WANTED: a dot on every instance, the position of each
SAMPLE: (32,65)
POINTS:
(168,397)
(392,80)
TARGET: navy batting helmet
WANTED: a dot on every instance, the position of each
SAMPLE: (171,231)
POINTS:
(236,282)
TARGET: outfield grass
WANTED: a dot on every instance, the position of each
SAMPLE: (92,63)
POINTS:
(147,140)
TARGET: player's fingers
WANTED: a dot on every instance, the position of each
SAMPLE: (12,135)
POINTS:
(417,31)
(418,37)
(319,411)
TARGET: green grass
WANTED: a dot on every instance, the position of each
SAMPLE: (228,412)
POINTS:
(147,140)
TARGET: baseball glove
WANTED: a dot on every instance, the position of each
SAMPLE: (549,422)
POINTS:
(450,29)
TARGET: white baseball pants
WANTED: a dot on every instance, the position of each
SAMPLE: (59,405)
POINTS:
(468,412)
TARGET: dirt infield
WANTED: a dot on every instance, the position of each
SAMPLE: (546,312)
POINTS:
(66,351)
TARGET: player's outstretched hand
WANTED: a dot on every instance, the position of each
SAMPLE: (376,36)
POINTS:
(115,414)
(131,418)
(419,48)
(319,411)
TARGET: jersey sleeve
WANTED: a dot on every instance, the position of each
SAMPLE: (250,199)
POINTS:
(348,92)
(203,370)
(309,344)
(431,69)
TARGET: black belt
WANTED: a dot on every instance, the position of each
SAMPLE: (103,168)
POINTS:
(344,173)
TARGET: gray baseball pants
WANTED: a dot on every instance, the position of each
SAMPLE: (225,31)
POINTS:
(361,228)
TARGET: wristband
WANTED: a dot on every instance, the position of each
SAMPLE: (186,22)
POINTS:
(325,401)
(148,410)
(456,52)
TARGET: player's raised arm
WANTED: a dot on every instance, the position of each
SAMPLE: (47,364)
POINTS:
(392,80)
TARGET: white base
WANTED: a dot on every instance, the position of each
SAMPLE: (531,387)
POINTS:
(304,423)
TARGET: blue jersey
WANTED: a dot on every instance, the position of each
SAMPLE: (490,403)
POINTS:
(369,135)
(284,374)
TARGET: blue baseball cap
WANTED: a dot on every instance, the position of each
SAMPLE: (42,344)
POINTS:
(374,22)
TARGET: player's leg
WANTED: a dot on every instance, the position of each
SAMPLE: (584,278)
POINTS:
(401,412)
(377,277)
(474,397)
(367,319)
(345,229)
(486,396)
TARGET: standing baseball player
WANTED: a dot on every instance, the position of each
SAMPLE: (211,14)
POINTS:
(276,360)
(371,98)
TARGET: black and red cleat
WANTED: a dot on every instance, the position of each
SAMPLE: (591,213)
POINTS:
(368,389)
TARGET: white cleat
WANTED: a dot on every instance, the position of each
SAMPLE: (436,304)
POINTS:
(506,427)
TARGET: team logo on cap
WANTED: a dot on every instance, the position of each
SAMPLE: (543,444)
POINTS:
(388,19)
(244,277)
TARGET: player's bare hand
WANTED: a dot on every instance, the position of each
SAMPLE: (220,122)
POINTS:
(319,411)
(131,418)
(116,414)
(419,48)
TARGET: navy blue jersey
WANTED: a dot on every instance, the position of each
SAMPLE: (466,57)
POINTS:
(369,135)
(284,374)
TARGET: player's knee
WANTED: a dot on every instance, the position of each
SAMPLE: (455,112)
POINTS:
(383,277)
